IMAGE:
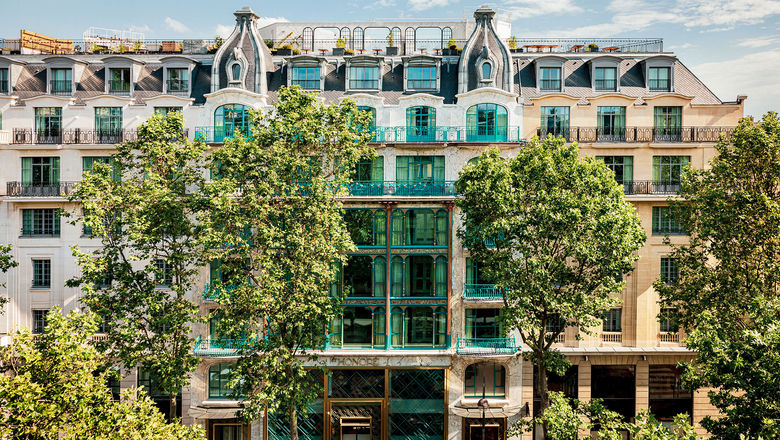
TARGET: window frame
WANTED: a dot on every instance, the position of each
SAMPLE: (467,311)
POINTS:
(612,321)
(41,273)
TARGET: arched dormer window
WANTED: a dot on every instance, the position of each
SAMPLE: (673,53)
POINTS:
(486,71)
(236,72)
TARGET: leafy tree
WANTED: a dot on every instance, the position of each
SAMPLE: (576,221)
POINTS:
(139,280)
(274,221)
(726,296)
(6,262)
(555,233)
(54,386)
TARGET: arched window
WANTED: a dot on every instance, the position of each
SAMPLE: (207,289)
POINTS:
(358,38)
(486,70)
(488,374)
(380,274)
(219,376)
(230,119)
(420,124)
(308,38)
(409,46)
(446,34)
(236,71)
(345,36)
(486,123)
(397,35)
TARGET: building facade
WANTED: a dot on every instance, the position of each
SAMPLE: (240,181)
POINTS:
(418,343)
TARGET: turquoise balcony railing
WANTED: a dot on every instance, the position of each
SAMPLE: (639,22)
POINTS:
(213,292)
(482,292)
(218,347)
(218,135)
(446,133)
(433,188)
(486,346)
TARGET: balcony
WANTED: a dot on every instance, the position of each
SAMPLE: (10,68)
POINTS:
(379,188)
(639,134)
(214,292)
(486,346)
(61,87)
(482,293)
(119,88)
(217,135)
(669,338)
(218,347)
(61,189)
(612,337)
(649,187)
(5,137)
(27,136)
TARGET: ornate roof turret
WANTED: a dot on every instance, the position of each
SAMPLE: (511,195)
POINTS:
(243,59)
(485,61)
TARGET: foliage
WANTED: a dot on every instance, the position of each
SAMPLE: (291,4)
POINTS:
(341,43)
(349,52)
(122,48)
(55,386)
(390,40)
(512,42)
(726,297)
(593,47)
(137,46)
(563,235)
(452,44)
(140,279)
(218,42)
(287,46)
(646,427)
(6,262)
(280,237)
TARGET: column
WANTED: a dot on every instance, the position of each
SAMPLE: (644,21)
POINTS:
(642,382)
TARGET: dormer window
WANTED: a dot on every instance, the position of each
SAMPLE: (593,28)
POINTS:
(605,79)
(61,82)
(236,72)
(421,78)
(5,86)
(364,77)
(659,79)
(119,81)
(178,82)
(306,77)
(550,79)
(486,68)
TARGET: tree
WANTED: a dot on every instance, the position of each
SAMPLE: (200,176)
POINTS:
(726,296)
(6,262)
(555,233)
(54,386)
(142,208)
(274,222)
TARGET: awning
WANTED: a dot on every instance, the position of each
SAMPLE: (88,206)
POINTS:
(200,412)
(476,412)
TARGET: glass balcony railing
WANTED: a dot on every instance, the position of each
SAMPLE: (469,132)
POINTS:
(218,346)
(218,135)
(486,346)
(482,292)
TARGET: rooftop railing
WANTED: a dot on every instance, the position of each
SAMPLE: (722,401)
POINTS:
(486,346)
(639,134)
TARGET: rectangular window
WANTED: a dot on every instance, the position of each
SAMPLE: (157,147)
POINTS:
(667,124)
(421,78)
(108,125)
(88,162)
(419,168)
(41,273)
(664,223)
(48,125)
(550,79)
(669,270)
(667,324)
(612,321)
(420,124)
(41,172)
(555,121)
(659,79)
(5,85)
(178,81)
(306,77)
(667,172)
(611,124)
(61,82)
(622,166)
(219,376)
(39,321)
(165,110)
(367,170)
(164,273)
(40,223)
(364,77)
(605,79)
(366,227)
(119,82)
(554,324)
(483,323)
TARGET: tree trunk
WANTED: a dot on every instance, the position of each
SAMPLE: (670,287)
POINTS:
(293,424)
(172,407)
(541,387)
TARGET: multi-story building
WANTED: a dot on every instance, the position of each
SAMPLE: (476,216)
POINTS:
(418,344)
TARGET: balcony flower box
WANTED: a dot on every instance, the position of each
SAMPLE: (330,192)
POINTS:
(284,52)
(391,51)
(338,51)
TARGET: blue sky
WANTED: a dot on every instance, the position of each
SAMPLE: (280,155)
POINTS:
(732,45)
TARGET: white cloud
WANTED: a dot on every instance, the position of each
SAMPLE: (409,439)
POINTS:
(265,21)
(531,8)
(176,25)
(679,46)
(142,29)
(421,5)
(754,75)
(758,42)
(224,30)
(380,4)
(727,13)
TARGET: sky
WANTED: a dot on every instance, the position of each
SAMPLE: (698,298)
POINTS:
(731,45)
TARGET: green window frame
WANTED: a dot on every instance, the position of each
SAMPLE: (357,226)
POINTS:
(659,79)
(397,277)
(420,124)
(369,170)
(667,123)
(372,111)
(164,273)
(379,327)
(39,321)
(370,332)
(88,162)
(474,273)
(486,123)
(5,85)
(612,320)
(492,373)
(40,222)
(306,77)
(605,79)
(419,276)
(667,170)
(61,82)
(119,81)
(40,171)
(550,79)
(41,273)
(165,110)
(178,80)
(665,323)
(611,124)
(555,121)
(108,124)
(48,124)
(664,223)
(622,166)
(364,77)
(374,283)
(422,227)
(230,119)
(670,272)
(421,78)
(219,377)
(416,169)
(483,324)
(418,326)
(367,227)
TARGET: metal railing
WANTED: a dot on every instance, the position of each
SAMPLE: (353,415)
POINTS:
(640,134)
(650,187)
(118,87)
(19,189)
(214,292)
(605,85)
(482,292)
(76,136)
(218,347)
(178,87)
(486,346)
(61,87)
(550,85)
(218,135)
(400,188)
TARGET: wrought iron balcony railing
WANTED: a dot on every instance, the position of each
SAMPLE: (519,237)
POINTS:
(639,134)
(650,187)
(178,87)
(121,88)
(550,85)
(218,347)
(400,188)
(76,136)
(213,292)
(482,292)
(60,189)
(61,87)
(486,346)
